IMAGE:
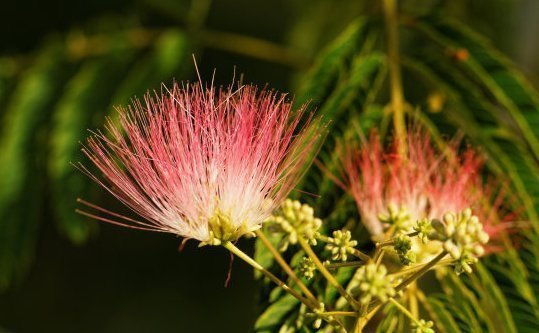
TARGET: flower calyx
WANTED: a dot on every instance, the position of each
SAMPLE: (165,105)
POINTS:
(222,229)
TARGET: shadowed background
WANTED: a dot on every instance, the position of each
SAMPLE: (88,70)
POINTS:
(63,64)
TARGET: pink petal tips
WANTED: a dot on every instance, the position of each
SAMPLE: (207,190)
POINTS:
(425,183)
(203,164)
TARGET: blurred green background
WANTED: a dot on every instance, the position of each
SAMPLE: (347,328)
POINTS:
(64,64)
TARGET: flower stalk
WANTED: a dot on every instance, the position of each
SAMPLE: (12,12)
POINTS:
(243,256)
(284,265)
(327,275)
(404,310)
(424,269)
(397,96)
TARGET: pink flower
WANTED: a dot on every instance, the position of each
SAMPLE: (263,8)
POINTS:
(426,183)
(202,164)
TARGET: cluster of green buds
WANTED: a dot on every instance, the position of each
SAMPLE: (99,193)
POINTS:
(372,282)
(403,247)
(462,236)
(340,245)
(321,316)
(422,326)
(295,219)
(423,227)
(398,217)
(307,268)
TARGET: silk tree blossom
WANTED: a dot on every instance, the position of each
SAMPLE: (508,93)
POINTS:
(200,163)
(425,183)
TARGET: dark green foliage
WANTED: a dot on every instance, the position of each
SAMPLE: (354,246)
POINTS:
(74,114)
(48,114)
(21,172)
(492,104)
(48,108)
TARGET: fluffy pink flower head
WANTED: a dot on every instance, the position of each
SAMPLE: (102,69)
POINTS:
(425,183)
(202,164)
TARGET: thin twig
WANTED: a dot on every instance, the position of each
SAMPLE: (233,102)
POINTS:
(284,265)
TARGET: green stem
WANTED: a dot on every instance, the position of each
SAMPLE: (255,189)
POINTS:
(384,244)
(361,255)
(415,268)
(360,324)
(392,241)
(379,258)
(330,278)
(242,255)
(405,311)
(412,299)
(284,265)
(420,272)
(345,264)
(378,255)
(363,320)
(424,268)
(252,47)
(340,313)
(397,96)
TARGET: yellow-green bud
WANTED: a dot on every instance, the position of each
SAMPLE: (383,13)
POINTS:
(423,228)
(373,283)
(307,268)
(462,236)
(340,245)
(293,220)
(397,216)
(422,326)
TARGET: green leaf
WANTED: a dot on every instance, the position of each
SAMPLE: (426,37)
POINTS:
(391,320)
(87,95)
(262,255)
(466,109)
(169,58)
(321,76)
(496,73)
(21,157)
(440,315)
(487,90)
(276,313)
(492,300)
(349,92)
(464,304)
(343,275)
(8,78)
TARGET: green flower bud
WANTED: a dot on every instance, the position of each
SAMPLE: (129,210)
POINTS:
(397,216)
(293,220)
(340,245)
(423,327)
(307,268)
(372,282)
(463,238)
(408,258)
(403,244)
(423,227)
